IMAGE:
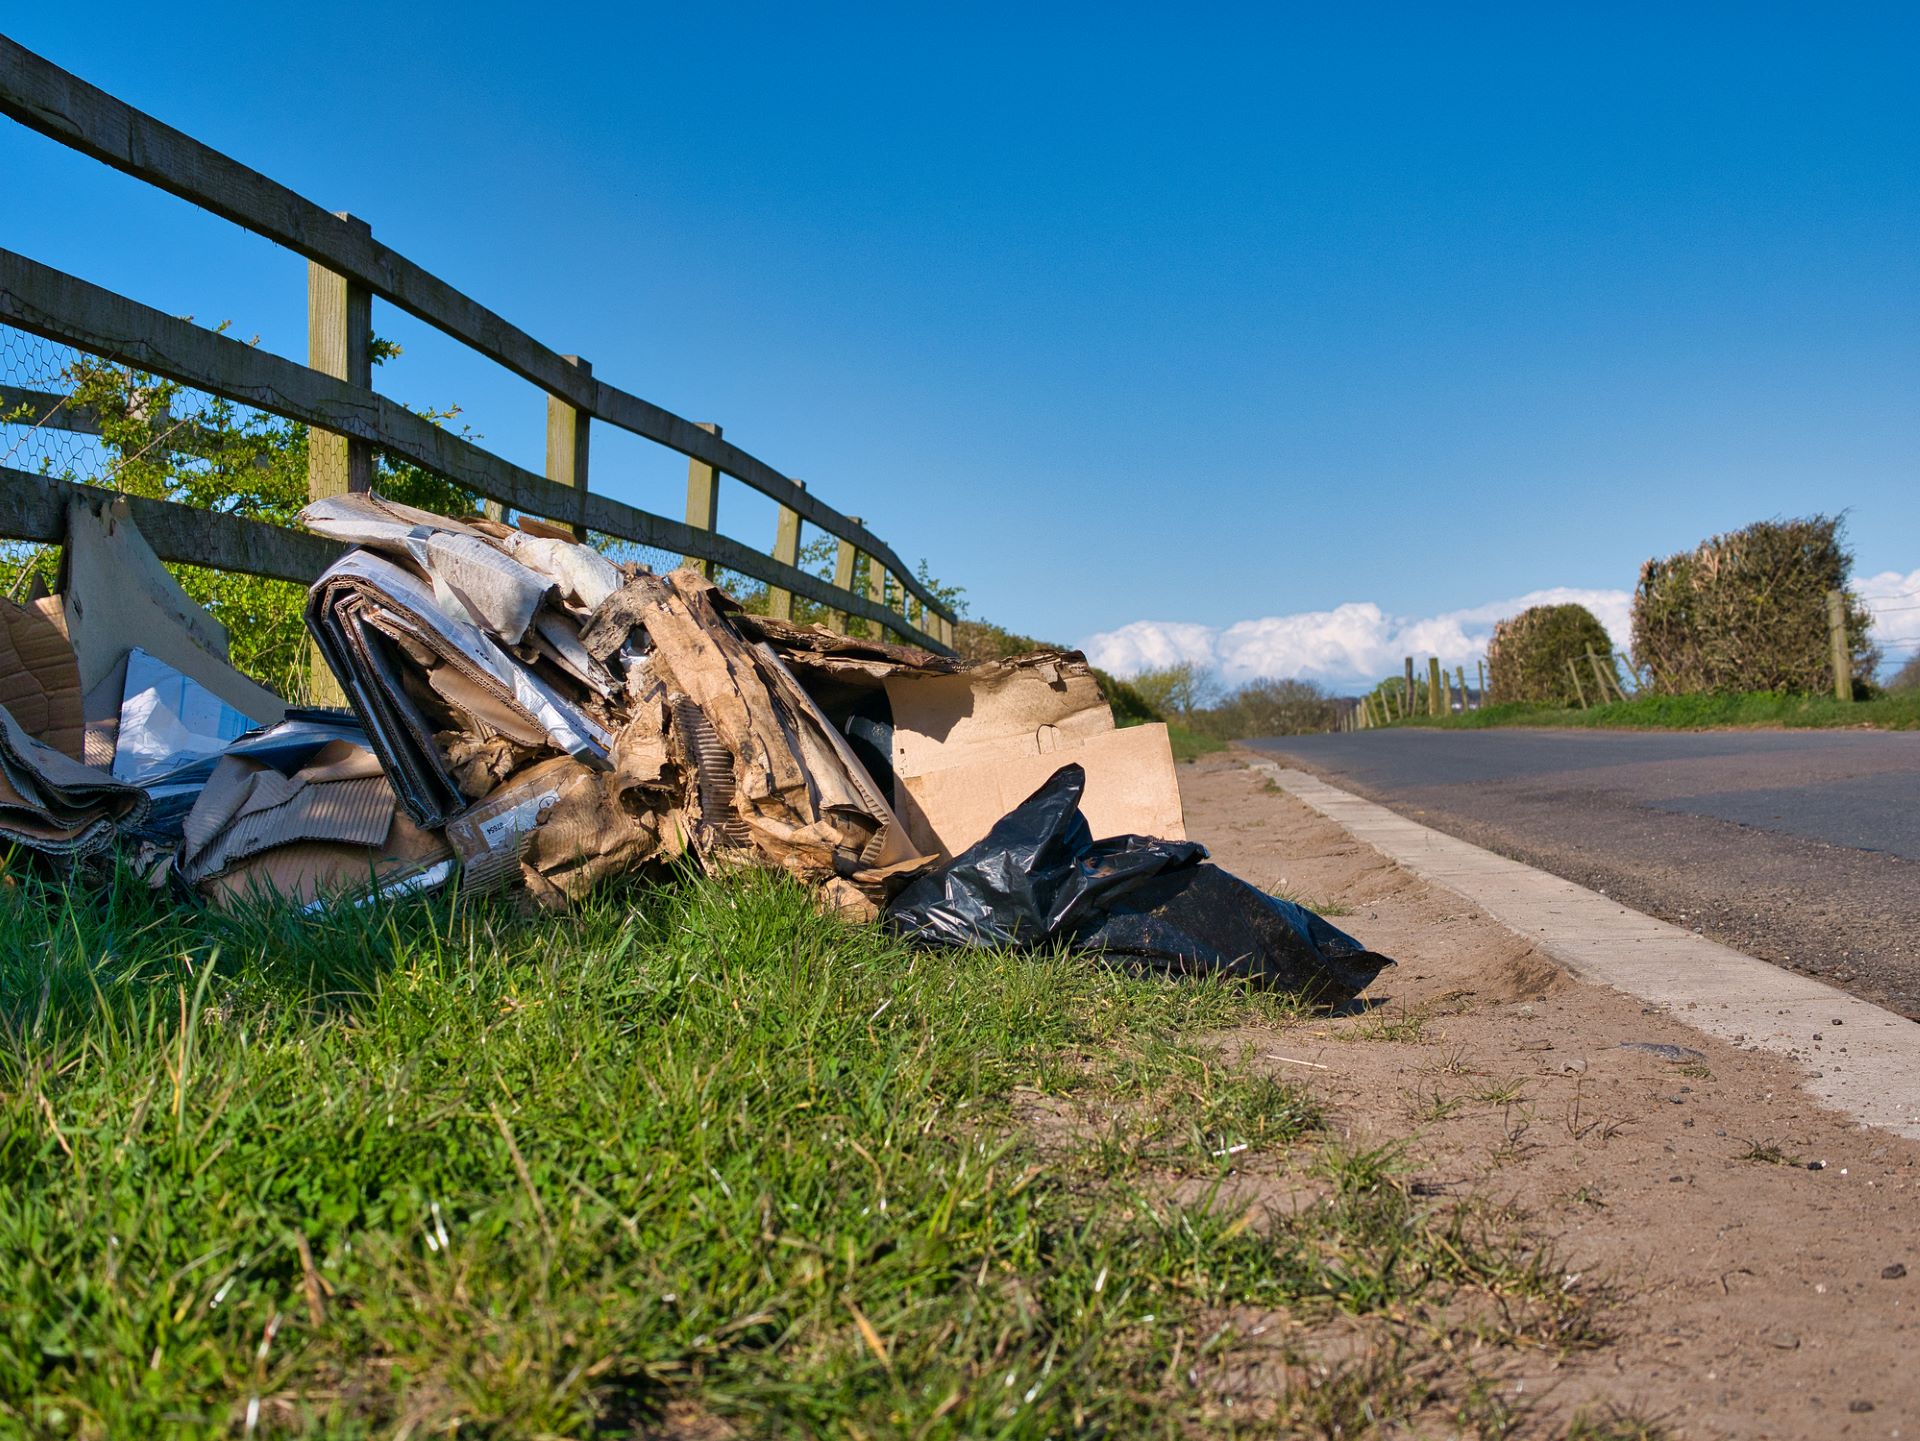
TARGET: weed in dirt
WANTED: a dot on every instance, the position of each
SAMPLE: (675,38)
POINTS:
(1696,1072)
(1615,1424)
(1455,1064)
(1768,1154)
(1426,1107)
(1283,892)
(1406,1026)
(1580,1125)
(1503,1093)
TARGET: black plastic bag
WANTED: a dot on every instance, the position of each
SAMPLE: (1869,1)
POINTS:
(1039,877)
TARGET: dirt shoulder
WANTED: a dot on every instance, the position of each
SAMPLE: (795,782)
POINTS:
(1753,1295)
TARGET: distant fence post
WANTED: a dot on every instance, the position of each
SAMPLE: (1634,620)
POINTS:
(1436,701)
(843,566)
(786,548)
(877,588)
(340,344)
(703,500)
(567,431)
(1406,696)
(1842,652)
(1578,689)
(1460,674)
(1481,666)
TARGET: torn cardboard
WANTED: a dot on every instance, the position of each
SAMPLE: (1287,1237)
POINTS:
(118,596)
(331,827)
(40,678)
(53,804)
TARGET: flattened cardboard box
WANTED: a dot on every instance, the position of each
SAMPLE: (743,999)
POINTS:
(1132,789)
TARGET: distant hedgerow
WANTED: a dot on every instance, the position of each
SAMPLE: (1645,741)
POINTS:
(1747,611)
(1527,657)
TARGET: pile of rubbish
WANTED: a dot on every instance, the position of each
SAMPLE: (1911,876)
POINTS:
(525,713)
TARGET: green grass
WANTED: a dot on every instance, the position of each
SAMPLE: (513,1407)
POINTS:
(1190,744)
(695,1151)
(1898,711)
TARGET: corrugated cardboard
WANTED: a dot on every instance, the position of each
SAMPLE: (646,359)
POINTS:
(40,678)
(54,804)
(120,596)
(1131,789)
(330,827)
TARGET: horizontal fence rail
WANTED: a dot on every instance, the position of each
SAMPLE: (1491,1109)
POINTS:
(34,507)
(47,302)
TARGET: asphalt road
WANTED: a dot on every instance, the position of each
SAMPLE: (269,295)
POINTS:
(1799,847)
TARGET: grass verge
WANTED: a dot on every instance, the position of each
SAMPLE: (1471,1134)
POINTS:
(1899,711)
(697,1157)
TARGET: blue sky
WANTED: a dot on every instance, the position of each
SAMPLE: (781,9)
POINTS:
(1112,315)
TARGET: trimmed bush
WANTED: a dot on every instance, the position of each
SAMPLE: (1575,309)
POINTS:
(1747,611)
(1527,657)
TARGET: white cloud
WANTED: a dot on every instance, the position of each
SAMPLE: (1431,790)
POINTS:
(1358,643)
(1894,600)
(1353,644)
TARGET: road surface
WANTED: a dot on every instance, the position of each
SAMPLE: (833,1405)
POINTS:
(1799,847)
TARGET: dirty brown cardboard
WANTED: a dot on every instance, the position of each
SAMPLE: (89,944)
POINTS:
(1132,789)
(40,678)
(119,596)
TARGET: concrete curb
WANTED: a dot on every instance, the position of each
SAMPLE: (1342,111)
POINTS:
(1860,1060)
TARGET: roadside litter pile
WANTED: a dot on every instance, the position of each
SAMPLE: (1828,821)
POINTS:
(527,714)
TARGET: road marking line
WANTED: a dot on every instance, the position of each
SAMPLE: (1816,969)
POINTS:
(1867,1067)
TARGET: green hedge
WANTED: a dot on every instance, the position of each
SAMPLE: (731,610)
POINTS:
(1747,611)
(1527,657)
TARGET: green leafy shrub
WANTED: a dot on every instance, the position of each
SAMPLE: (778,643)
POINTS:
(1747,611)
(218,456)
(1527,657)
(1270,707)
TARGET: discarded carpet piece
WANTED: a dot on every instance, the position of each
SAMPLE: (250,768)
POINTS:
(1038,877)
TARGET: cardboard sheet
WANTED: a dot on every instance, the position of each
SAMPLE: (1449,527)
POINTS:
(40,677)
(1024,708)
(120,596)
(1132,789)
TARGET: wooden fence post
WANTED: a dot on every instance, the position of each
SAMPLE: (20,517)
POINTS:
(340,344)
(1842,652)
(567,432)
(1481,666)
(1578,689)
(1460,674)
(877,589)
(1437,702)
(703,501)
(1406,697)
(1604,676)
(843,564)
(786,547)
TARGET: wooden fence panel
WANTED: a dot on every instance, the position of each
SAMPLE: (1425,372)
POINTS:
(44,97)
(48,302)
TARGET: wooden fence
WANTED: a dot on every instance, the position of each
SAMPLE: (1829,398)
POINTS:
(333,394)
